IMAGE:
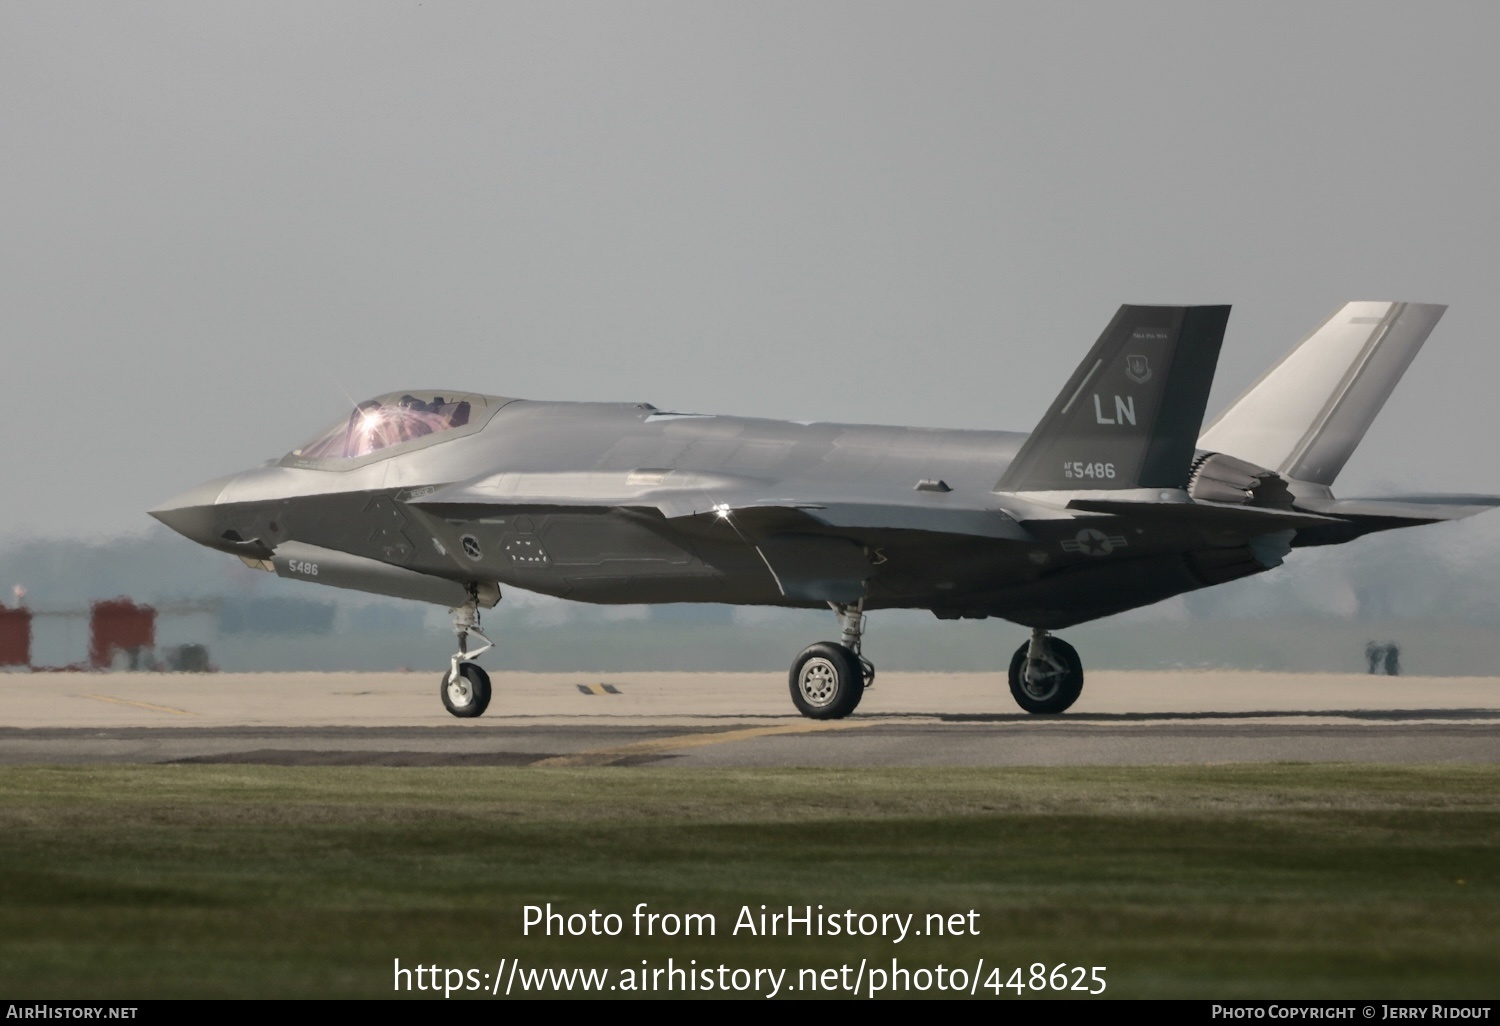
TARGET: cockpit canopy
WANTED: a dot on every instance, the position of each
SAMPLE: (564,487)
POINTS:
(395,419)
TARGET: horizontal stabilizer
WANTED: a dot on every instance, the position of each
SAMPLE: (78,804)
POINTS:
(1410,509)
(1213,515)
(1353,518)
(1130,414)
(1306,414)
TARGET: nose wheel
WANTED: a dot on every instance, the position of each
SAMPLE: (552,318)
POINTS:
(467,692)
(465,688)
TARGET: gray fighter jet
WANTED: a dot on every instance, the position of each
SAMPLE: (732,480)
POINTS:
(1115,501)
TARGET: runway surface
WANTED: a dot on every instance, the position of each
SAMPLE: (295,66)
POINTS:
(742,719)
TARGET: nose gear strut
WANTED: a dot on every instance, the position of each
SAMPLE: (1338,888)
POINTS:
(466,687)
(466,622)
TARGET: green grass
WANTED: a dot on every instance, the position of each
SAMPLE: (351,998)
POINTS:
(1233,881)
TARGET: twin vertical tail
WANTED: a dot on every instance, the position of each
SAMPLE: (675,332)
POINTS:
(1129,418)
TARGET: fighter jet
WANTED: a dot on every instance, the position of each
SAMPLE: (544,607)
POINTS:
(1116,500)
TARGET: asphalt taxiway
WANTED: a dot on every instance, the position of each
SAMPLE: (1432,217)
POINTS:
(742,719)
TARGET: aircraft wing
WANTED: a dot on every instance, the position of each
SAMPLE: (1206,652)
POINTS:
(750,501)
(857,515)
(673,493)
(816,547)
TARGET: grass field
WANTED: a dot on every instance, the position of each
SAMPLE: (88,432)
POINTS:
(1232,881)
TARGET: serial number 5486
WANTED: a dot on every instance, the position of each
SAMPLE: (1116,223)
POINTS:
(302,566)
(1097,471)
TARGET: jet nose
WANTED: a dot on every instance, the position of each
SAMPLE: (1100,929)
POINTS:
(192,513)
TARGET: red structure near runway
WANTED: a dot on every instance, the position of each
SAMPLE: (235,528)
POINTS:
(119,625)
(116,625)
(15,636)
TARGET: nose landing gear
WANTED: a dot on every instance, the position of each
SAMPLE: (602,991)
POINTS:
(466,687)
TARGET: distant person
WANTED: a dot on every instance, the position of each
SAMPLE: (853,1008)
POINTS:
(1373,656)
(1392,659)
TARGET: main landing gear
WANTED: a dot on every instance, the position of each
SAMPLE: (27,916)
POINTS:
(466,687)
(1046,675)
(829,678)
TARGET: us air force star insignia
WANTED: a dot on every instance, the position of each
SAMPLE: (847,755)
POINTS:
(1093,542)
(1138,369)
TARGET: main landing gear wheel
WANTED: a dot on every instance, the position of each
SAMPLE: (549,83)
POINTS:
(467,692)
(827,681)
(1049,680)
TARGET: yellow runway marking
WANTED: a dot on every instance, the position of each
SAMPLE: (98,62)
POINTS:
(660,745)
(141,705)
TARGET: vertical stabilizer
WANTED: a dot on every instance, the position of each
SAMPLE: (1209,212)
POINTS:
(1129,416)
(1306,414)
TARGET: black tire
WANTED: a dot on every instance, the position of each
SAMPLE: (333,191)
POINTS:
(827,681)
(470,694)
(1055,692)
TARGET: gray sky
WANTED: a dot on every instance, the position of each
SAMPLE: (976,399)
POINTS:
(222,220)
